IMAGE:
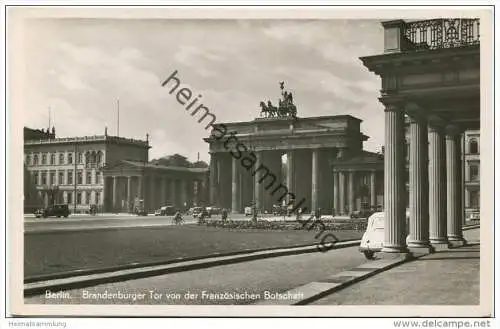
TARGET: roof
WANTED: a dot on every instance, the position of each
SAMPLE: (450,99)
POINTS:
(364,157)
(156,166)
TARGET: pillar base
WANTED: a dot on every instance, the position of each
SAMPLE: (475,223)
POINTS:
(403,255)
(421,248)
(395,249)
(441,245)
(457,241)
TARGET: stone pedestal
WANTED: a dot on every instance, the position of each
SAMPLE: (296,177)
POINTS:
(257,184)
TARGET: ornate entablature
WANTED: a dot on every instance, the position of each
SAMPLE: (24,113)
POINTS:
(431,67)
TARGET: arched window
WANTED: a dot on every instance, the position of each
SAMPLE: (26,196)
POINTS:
(44,158)
(35,159)
(87,157)
(28,159)
(473,146)
(70,158)
(93,158)
(474,172)
(52,158)
(80,157)
(61,158)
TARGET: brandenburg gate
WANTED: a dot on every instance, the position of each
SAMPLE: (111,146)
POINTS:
(311,146)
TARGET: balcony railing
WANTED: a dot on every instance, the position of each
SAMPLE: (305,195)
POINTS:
(441,33)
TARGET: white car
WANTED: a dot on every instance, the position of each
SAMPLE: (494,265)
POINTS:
(373,238)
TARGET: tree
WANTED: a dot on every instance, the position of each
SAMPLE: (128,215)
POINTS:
(177,160)
(200,164)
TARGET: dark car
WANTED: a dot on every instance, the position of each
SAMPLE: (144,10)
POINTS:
(57,210)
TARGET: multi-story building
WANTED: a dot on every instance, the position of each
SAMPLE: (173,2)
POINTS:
(471,171)
(89,170)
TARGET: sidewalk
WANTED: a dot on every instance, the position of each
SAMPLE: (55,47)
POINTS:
(448,277)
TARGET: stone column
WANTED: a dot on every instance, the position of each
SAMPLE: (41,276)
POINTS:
(257,185)
(114,192)
(437,187)
(152,194)
(173,192)
(453,186)
(129,193)
(394,184)
(235,186)
(163,191)
(290,173)
(213,178)
(314,180)
(336,193)
(140,186)
(373,191)
(342,193)
(419,184)
(184,192)
(350,192)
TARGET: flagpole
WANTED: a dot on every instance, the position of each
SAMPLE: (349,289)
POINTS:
(118,119)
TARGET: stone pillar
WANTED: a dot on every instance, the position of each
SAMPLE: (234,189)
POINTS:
(373,191)
(173,192)
(290,173)
(394,184)
(213,179)
(152,194)
(184,193)
(114,192)
(437,187)
(419,184)
(454,186)
(350,192)
(163,191)
(342,193)
(257,185)
(314,180)
(235,186)
(336,191)
(140,186)
(129,193)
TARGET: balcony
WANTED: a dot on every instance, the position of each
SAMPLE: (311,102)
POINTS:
(401,36)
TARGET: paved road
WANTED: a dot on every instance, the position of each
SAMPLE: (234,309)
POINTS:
(33,225)
(255,277)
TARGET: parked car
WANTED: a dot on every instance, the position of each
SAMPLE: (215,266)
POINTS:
(57,210)
(248,211)
(213,211)
(165,211)
(373,238)
(196,211)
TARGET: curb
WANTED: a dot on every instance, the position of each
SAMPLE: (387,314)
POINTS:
(316,290)
(142,271)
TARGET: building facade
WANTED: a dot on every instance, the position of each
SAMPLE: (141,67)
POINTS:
(430,74)
(471,171)
(325,165)
(89,170)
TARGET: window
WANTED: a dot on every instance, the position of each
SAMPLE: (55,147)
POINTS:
(70,158)
(88,179)
(79,178)
(70,177)
(86,197)
(473,146)
(60,178)
(474,172)
(99,157)
(28,159)
(52,158)
(79,198)
(70,198)
(61,158)
(35,159)
(44,178)
(80,157)
(44,158)
(474,199)
(37,177)
(52,178)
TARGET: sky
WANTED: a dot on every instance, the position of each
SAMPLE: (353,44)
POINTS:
(79,68)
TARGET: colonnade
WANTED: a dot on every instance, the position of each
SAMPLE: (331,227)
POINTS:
(306,175)
(435,188)
(156,191)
